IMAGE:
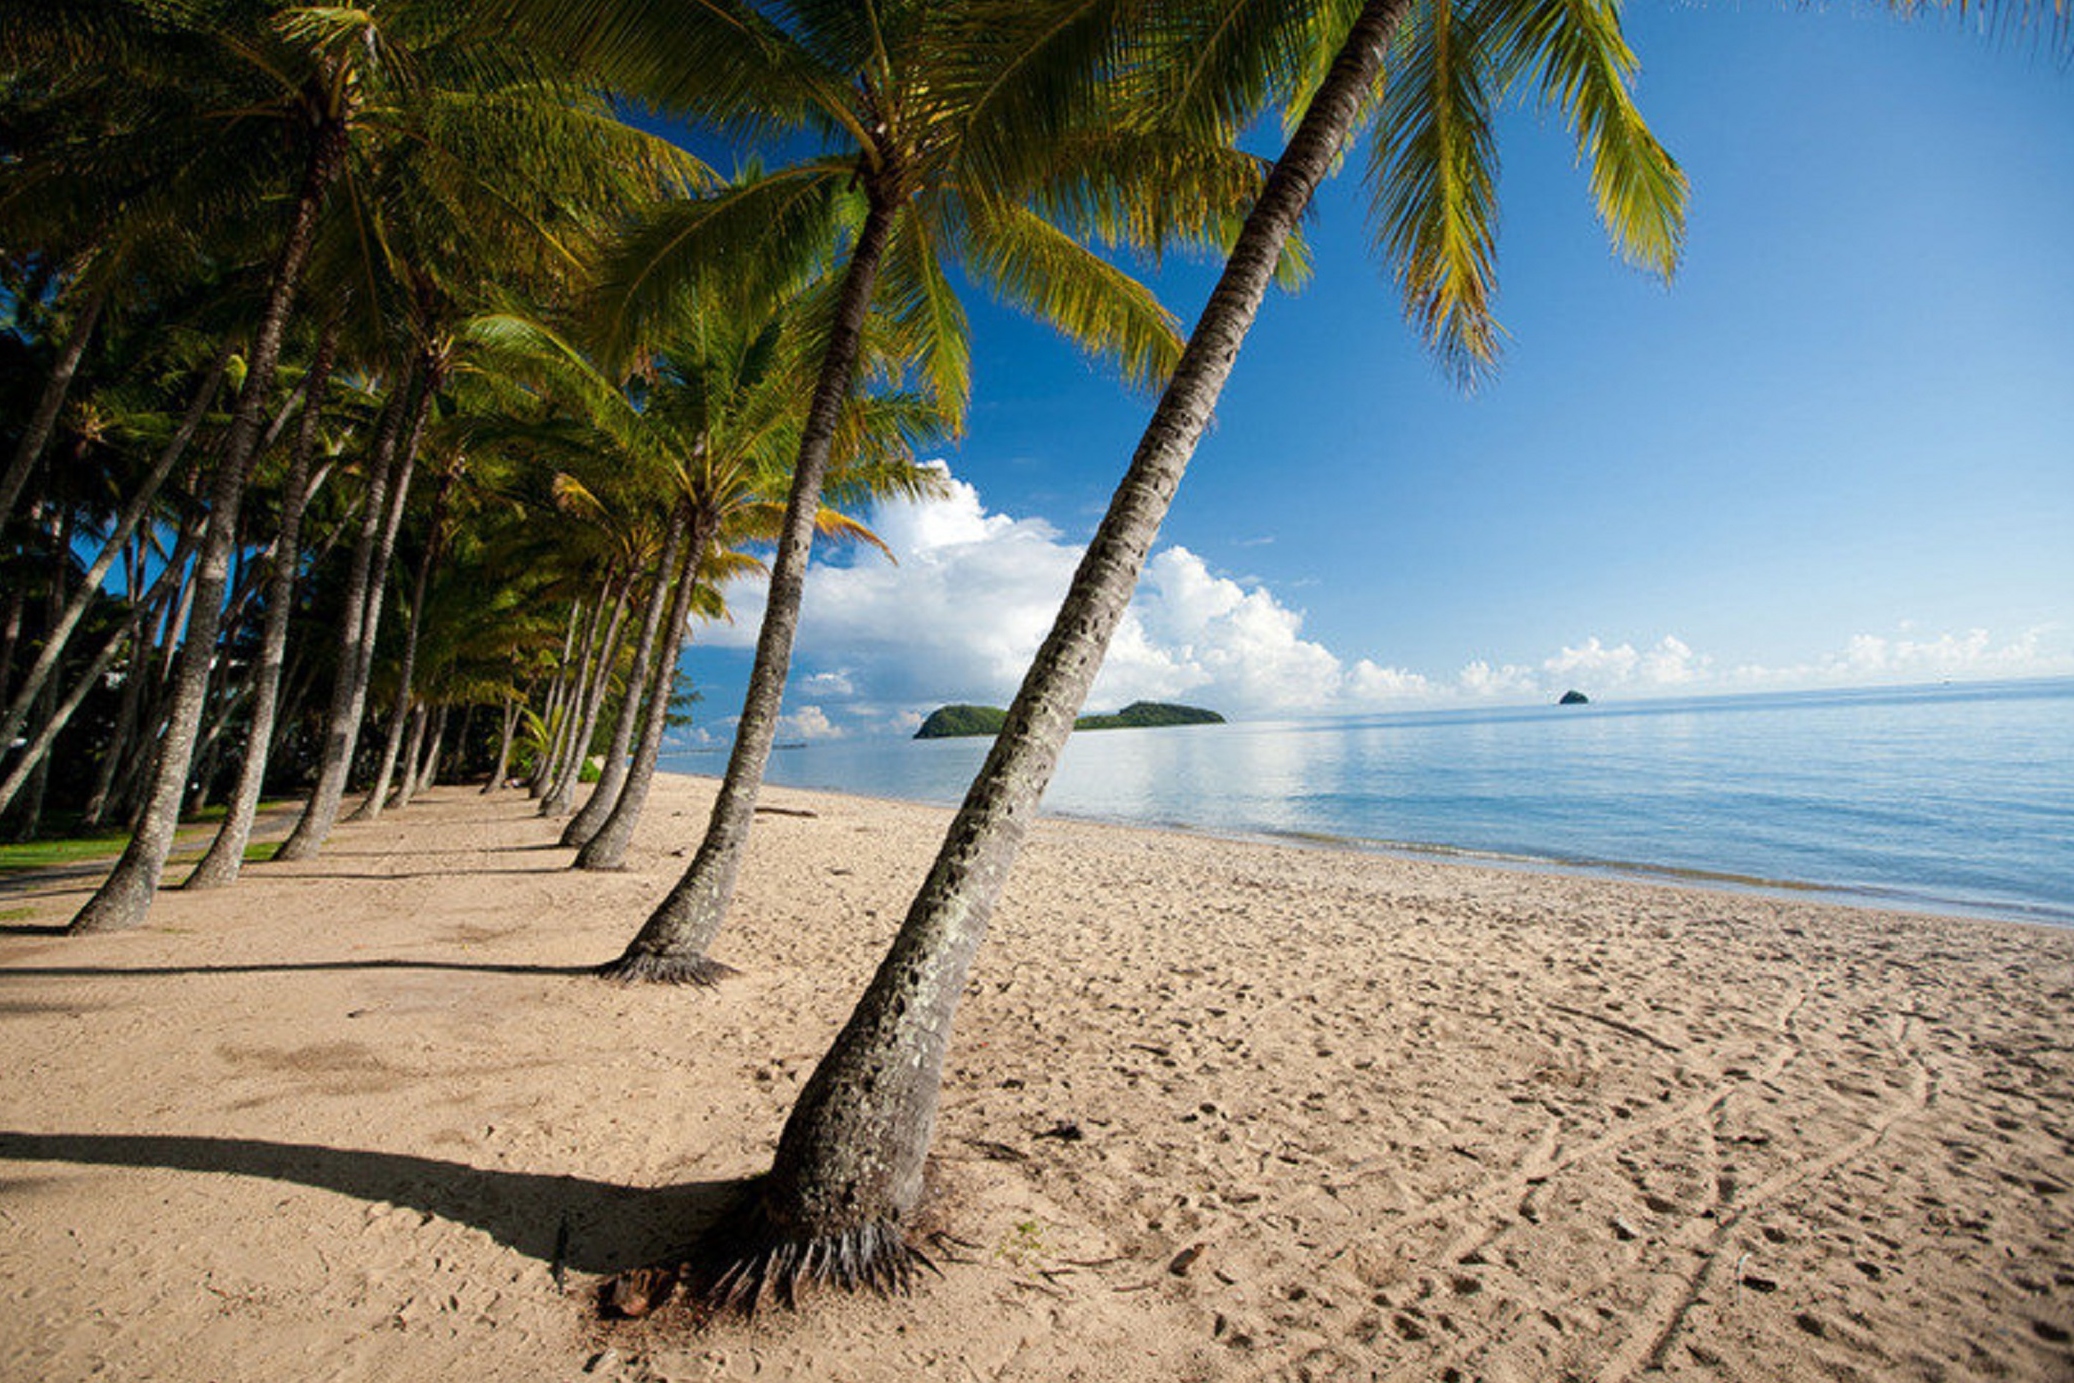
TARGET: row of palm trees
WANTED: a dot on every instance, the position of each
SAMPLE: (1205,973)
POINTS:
(315,297)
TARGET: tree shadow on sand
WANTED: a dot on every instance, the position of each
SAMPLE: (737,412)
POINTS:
(562,1221)
(82,972)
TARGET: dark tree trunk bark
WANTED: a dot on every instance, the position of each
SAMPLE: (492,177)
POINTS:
(671,947)
(455,763)
(227,852)
(29,821)
(366,584)
(605,794)
(607,847)
(124,898)
(848,1169)
(10,638)
(44,421)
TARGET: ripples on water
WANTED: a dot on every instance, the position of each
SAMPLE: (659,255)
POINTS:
(1951,798)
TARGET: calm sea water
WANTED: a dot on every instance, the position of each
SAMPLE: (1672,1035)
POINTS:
(1950,798)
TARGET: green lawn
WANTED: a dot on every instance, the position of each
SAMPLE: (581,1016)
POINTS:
(107,845)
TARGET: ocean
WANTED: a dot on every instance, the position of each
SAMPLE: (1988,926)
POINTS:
(1953,798)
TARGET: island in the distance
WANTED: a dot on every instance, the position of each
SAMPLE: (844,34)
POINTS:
(947,722)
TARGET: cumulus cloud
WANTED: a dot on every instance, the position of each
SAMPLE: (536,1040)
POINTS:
(808,723)
(960,613)
(1668,664)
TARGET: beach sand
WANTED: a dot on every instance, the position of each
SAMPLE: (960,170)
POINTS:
(1214,1110)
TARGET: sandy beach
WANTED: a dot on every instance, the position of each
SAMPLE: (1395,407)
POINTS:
(1215,1110)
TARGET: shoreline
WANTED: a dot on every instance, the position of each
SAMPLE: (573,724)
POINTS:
(1870,897)
(1332,1113)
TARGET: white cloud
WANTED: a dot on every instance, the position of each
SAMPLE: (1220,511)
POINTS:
(1370,685)
(829,684)
(1189,630)
(2044,651)
(1666,665)
(1482,682)
(961,612)
(807,723)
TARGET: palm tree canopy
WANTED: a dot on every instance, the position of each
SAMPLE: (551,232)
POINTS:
(1007,140)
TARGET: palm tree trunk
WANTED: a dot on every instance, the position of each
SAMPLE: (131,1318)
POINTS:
(124,898)
(571,689)
(592,703)
(671,946)
(44,421)
(118,746)
(561,692)
(35,755)
(225,695)
(365,585)
(11,636)
(227,852)
(133,514)
(407,781)
(29,821)
(421,584)
(848,1169)
(607,847)
(428,766)
(142,616)
(506,733)
(585,823)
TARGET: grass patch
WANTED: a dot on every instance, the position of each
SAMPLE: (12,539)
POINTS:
(44,854)
(107,845)
(260,851)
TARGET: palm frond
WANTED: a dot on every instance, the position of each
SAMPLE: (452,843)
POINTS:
(1048,274)
(1582,66)
(918,320)
(1433,181)
(765,237)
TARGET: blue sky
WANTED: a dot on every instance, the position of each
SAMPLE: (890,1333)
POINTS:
(1838,449)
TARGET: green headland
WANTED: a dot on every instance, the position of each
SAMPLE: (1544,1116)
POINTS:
(948,722)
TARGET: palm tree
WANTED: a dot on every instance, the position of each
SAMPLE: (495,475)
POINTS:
(703,435)
(325,98)
(849,1163)
(226,853)
(958,134)
(490,175)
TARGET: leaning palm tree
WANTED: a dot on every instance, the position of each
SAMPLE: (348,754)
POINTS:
(322,94)
(488,172)
(703,436)
(849,1163)
(959,132)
